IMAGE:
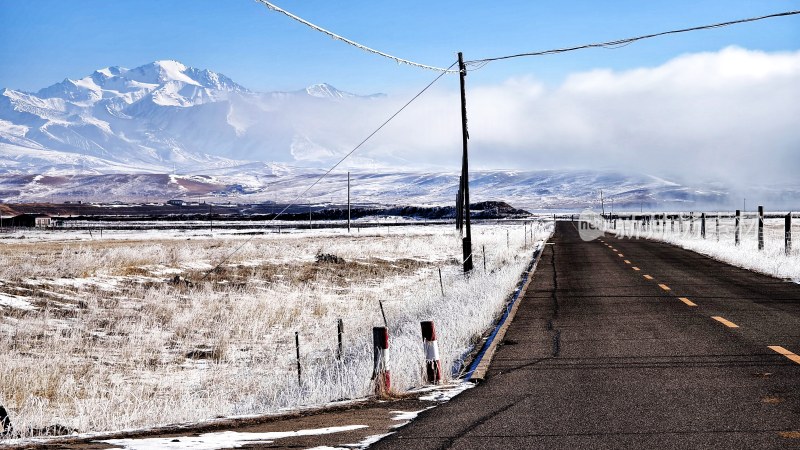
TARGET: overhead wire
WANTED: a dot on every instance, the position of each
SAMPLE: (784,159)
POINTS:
(360,144)
(351,42)
(623,42)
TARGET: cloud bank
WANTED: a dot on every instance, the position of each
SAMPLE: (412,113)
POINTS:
(728,115)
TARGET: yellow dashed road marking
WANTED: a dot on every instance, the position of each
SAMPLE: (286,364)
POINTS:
(627,262)
(725,322)
(636,269)
(687,301)
(621,255)
(648,277)
(664,287)
(786,353)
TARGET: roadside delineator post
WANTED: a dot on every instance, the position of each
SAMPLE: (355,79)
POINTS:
(736,225)
(433,366)
(381,376)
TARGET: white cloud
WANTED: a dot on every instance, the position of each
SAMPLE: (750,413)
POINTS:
(725,114)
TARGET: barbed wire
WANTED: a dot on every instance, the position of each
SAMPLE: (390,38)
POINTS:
(351,42)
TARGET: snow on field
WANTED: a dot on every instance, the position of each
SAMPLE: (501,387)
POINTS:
(15,301)
(719,242)
(134,331)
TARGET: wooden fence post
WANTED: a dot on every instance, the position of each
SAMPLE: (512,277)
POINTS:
(5,423)
(736,226)
(788,234)
(703,225)
(441,283)
(339,334)
(297,350)
(761,228)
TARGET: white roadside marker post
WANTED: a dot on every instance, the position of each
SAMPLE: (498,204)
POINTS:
(433,366)
(381,376)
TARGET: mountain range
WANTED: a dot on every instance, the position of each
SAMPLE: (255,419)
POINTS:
(164,130)
(157,118)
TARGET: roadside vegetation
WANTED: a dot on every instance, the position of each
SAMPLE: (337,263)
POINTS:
(137,330)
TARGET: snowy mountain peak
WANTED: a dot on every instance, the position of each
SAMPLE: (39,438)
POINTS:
(325,90)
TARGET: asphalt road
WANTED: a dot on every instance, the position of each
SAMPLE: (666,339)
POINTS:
(616,345)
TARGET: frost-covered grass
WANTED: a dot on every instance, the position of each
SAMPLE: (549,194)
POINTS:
(719,242)
(112,342)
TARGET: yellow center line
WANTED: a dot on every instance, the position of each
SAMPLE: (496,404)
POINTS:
(636,269)
(664,287)
(648,277)
(786,353)
(627,262)
(725,322)
(687,301)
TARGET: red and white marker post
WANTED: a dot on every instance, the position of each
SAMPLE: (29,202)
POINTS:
(433,367)
(380,344)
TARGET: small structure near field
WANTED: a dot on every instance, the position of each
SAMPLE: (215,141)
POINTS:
(28,220)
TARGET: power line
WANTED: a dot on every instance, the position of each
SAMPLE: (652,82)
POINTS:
(623,42)
(351,42)
(360,144)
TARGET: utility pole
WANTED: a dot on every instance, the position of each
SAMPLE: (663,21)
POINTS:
(348,202)
(467,238)
(602,204)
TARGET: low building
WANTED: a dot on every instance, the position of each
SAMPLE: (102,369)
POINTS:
(176,202)
(28,220)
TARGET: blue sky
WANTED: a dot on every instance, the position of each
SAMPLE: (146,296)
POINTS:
(44,41)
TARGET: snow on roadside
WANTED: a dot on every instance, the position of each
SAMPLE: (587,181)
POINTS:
(223,439)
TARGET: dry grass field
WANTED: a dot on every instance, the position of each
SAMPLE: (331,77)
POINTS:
(136,330)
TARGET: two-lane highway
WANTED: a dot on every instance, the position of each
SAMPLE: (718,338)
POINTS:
(622,343)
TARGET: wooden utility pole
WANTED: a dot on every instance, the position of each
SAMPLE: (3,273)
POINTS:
(348,202)
(602,205)
(467,239)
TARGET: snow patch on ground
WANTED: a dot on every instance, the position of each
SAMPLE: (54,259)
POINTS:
(220,440)
(15,301)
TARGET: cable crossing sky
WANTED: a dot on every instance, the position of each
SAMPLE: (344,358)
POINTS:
(482,62)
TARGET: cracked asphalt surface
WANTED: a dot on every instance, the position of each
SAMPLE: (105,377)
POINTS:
(618,343)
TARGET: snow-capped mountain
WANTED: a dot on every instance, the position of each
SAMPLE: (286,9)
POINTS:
(260,182)
(157,117)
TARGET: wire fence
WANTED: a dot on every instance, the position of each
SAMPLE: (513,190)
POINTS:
(724,229)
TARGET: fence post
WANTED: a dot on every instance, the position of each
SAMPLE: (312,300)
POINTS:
(339,333)
(483,249)
(717,227)
(736,226)
(703,225)
(441,283)
(433,367)
(788,234)
(761,228)
(691,224)
(380,344)
(5,422)
(297,350)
